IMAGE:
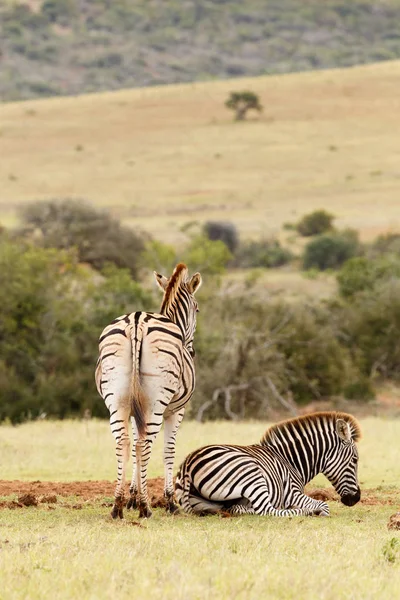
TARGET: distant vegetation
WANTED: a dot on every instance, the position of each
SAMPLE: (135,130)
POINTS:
(60,47)
(253,351)
(242,102)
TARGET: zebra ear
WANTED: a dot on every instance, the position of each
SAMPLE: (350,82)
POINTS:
(194,283)
(343,430)
(162,281)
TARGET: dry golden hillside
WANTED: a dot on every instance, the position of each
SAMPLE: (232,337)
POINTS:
(160,157)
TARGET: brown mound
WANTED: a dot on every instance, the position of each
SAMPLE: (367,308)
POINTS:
(49,499)
(394,521)
(323,494)
(28,499)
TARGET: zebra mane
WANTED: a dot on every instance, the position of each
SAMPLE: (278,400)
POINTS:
(313,418)
(178,277)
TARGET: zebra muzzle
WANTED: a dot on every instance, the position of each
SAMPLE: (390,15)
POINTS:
(351,499)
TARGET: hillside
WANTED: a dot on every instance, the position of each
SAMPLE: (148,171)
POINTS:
(161,157)
(63,47)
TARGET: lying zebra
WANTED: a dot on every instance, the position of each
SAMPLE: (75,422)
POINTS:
(269,478)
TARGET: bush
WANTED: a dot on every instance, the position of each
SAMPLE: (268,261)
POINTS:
(264,354)
(385,244)
(370,326)
(315,223)
(331,250)
(53,311)
(224,231)
(359,274)
(97,237)
(207,256)
(267,253)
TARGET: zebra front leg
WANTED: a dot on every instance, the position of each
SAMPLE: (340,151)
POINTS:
(259,497)
(171,426)
(132,502)
(314,507)
(119,427)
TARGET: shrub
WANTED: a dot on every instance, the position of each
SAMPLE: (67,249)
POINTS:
(52,313)
(331,250)
(315,223)
(385,244)
(267,253)
(224,231)
(207,256)
(359,273)
(370,326)
(97,237)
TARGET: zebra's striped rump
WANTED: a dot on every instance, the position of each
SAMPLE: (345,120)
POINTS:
(269,477)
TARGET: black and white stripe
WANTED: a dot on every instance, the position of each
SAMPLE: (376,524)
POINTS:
(269,478)
(146,371)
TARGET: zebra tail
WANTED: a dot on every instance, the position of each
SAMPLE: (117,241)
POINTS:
(138,399)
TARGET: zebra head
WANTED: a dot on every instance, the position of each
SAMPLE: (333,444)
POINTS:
(342,461)
(179,303)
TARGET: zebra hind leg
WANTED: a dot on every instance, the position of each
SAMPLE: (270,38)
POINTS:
(119,428)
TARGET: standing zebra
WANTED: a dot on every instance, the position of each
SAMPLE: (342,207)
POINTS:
(269,478)
(145,371)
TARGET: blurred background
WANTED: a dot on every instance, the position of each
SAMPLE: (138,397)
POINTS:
(257,141)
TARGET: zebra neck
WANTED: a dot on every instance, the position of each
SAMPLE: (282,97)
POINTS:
(303,458)
(178,317)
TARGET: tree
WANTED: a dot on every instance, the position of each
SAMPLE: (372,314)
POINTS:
(241,102)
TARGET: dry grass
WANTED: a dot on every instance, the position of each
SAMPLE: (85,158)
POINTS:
(160,157)
(63,553)
(76,450)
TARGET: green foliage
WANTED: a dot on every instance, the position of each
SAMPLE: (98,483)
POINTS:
(159,257)
(370,326)
(360,273)
(264,353)
(59,11)
(315,223)
(267,253)
(207,256)
(391,550)
(242,102)
(97,237)
(224,231)
(331,250)
(385,244)
(52,313)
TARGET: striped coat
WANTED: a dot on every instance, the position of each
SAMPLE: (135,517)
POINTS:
(145,371)
(269,478)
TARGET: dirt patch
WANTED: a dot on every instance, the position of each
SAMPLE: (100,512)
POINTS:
(34,493)
(30,493)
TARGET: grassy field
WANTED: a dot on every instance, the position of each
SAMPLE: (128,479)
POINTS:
(65,553)
(161,157)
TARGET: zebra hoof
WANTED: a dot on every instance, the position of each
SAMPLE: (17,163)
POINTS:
(172,508)
(117,512)
(144,511)
(132,503)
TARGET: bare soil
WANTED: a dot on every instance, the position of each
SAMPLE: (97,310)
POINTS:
(50,493)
